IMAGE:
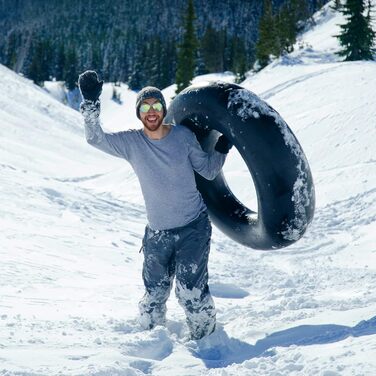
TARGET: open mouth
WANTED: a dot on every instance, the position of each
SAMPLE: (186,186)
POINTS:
(152,118)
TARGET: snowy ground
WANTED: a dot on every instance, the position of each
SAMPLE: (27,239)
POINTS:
(72,219)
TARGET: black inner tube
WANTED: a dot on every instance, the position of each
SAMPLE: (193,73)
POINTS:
(274,157)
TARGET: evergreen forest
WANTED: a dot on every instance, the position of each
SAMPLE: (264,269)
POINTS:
(145,43)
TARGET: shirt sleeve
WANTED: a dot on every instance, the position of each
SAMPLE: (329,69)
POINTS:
(207,165)
(116,144)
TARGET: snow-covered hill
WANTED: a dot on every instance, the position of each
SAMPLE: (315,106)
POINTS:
(72,219)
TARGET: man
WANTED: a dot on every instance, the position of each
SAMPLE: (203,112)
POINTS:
(177,237)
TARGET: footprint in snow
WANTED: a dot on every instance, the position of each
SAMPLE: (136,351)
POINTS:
(142,365)
(154,344)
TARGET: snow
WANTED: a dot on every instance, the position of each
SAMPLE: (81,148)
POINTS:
(72,221)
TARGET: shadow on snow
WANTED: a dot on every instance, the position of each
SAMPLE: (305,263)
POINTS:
(219,350)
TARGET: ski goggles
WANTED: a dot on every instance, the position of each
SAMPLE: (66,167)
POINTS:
(145,107)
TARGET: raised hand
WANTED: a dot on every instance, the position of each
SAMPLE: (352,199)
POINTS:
(90,86)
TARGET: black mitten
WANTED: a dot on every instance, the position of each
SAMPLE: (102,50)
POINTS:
(90,86)
(223,145)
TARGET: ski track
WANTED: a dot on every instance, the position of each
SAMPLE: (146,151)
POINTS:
(297,80)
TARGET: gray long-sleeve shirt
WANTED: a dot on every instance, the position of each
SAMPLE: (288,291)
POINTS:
(164,167)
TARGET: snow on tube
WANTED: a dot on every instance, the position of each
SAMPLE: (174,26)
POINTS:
(274,157)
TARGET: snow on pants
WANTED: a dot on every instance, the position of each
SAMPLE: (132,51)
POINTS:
(182,252)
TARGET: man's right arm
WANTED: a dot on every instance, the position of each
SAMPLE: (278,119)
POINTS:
(112,143)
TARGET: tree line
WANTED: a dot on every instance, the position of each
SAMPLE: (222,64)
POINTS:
(154,63)
(50,40)
(161,61)
(278,29)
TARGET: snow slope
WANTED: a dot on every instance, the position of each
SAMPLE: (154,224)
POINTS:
(72,219)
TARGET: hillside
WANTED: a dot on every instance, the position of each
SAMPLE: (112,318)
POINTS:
(72,219)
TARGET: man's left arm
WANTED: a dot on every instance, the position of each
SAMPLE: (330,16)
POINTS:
(208,165)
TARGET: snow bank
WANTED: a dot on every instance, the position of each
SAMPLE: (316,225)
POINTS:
(72,220)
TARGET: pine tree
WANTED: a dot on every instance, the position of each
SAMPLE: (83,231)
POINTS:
(200,64)
(136,78)
(71,69)
(187,52)
(60,63)
(300,13)
(170,61)
(268,43)
(212,45)
(154,72)
(39,68)
(35,72)
(239,58)
(166,59)
(96,62)
(290,20)
(357,37)
(11,51)
(286,29)
(47,62)
(227,51)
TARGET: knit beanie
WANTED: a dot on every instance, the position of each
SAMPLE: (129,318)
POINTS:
(150,92)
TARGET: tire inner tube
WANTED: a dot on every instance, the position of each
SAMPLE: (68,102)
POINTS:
(274,157)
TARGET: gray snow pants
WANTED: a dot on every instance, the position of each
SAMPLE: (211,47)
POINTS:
(182,252)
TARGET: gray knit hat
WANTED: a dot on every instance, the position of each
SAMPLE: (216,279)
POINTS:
(150,92)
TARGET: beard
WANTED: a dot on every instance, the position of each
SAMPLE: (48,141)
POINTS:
(152,126)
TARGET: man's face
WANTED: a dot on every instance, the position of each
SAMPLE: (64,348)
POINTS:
(152,119)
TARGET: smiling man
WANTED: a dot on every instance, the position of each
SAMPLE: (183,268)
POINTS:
(177,237)
(152,117)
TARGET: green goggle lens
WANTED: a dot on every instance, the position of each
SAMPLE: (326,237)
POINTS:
(146,107)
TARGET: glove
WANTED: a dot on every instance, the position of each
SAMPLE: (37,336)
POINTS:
(90,86)
(223,145)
